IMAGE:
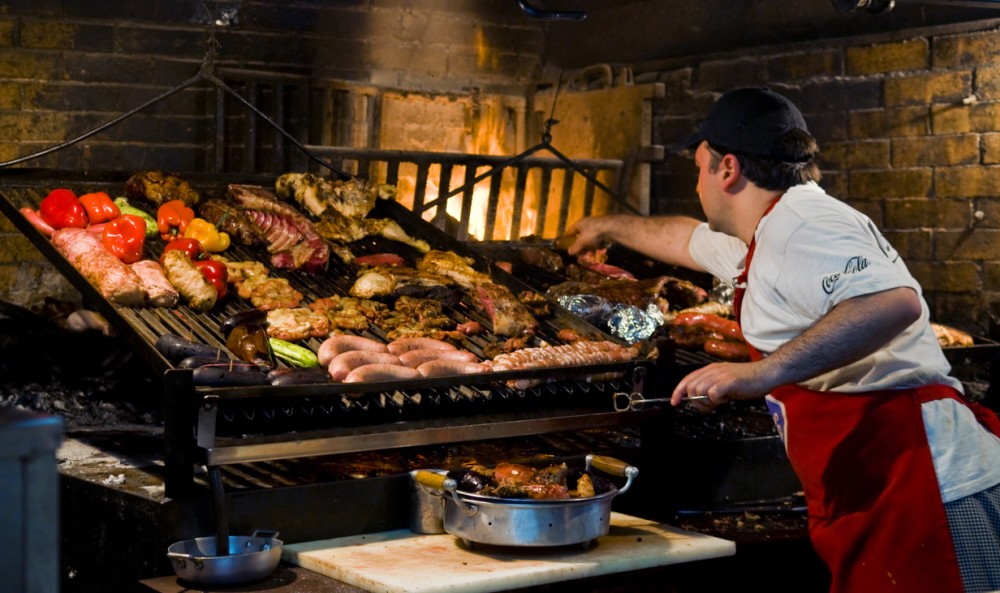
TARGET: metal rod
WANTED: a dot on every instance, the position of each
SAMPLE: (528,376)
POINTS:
(221,513)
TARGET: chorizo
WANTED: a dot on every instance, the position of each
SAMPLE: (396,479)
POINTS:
(443,368)
(38,222)
(335,345)
(401,345)
(727,350)
(691,326)
(381,372)
(346,362)
(415,358)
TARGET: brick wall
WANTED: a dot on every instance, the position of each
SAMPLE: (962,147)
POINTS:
(68,67)
(909,128)
(908,123)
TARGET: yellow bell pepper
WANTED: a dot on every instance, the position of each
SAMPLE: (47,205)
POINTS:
(211,238)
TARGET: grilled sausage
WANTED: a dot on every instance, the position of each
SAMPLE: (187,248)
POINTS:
(691,324)
(443,368)
(415,358)
(381,372)
(36,221)
(198,293)
(335,345)
(159,291)
(346,362)
(727,350)
(401,345)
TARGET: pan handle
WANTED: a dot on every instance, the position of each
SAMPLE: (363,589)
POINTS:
(615,467)
(451,486)
(182,559)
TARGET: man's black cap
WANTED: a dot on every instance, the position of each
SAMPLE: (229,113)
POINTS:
(749,120)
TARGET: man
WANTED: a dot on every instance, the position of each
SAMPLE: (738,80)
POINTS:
(902,481)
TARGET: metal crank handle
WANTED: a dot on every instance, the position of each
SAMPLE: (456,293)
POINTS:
(634,401)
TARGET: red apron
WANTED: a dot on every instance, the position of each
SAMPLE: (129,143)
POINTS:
(876,517)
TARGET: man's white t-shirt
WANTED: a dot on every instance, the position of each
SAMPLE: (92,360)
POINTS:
(813,252)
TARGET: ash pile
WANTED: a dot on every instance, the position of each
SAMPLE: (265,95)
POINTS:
(59,360)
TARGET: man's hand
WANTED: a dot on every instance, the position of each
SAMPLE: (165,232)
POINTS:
(588,234)
(854,329)
(722,382)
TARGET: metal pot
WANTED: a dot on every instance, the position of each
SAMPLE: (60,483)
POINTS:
(248,559)
(476,518)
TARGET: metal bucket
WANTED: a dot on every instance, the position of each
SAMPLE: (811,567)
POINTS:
(426,506)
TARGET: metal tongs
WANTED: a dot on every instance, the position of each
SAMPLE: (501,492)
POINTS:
(635,401)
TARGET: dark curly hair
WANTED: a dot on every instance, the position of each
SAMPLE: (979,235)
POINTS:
(772,174)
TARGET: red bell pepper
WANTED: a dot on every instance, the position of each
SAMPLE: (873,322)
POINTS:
(216,274)
(99,207)
(61,209)
(172,219)
(125,237)
(190,247)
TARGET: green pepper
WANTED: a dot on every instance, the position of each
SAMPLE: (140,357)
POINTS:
(293,354)
(126,208)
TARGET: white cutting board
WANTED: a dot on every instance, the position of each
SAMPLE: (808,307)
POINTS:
(404,562)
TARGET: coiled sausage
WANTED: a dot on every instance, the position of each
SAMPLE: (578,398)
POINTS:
(345,362)
(335,345)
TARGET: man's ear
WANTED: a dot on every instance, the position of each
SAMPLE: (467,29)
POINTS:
(731,170)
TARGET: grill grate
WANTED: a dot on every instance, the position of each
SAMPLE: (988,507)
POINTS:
(238,425)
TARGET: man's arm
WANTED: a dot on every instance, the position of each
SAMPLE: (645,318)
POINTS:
(854,329)
(664,238)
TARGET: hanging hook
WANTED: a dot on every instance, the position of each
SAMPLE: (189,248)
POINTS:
(550,15)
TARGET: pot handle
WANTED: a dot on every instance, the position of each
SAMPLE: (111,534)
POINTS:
(269,535)
(182,559)
(266,533)
(451,486)
(432,480)
(610,465)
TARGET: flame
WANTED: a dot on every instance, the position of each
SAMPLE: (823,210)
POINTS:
(489,137)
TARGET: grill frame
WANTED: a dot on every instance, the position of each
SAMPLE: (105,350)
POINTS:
(191,417)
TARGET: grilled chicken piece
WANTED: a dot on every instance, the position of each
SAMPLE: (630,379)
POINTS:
(268,293)
(391,230)
(158,187)
(304,188)
(348,312)
(353,198)
(399,280)
(452,265)
(297,324)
